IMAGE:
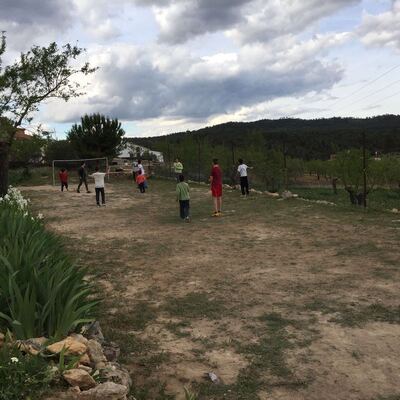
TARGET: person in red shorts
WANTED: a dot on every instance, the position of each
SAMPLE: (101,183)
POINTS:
(63,175)
(216,187)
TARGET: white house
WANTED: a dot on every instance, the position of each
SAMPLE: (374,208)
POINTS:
(132,150)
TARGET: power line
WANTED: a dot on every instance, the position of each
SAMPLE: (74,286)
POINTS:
(383,99)
(366,85)
(370,94)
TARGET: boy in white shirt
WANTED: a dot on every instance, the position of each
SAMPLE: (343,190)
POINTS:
(99,186)
(244,182)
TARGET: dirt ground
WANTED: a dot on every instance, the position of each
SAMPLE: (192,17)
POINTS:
(280,299)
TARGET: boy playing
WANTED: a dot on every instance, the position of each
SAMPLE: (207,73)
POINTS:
(82,178)
(216,187)
(63,175)
(141,181)
(178,169)
(244,182)
(182,195)
(99,186)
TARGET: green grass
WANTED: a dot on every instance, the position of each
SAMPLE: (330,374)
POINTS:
(380,199)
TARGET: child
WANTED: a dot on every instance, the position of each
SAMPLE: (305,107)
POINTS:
(216,187)
(244,182)
(63,174)
(82,178)
(99,186)
(141,181)
(182,195)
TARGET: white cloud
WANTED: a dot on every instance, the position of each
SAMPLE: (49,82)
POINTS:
(382,29)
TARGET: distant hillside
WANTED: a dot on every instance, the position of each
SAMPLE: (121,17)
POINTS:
(307,139)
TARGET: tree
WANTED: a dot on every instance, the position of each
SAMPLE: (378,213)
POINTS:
(59,150)
(40,74)
(26,152)
(97,136)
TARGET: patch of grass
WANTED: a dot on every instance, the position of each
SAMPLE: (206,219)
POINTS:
(374,312)
(359,249)
(141,315)
(194,305)
(131,345)
(176,328)
(269,353)
(151,390)
(390,397)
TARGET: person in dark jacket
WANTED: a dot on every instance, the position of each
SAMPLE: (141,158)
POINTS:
(82,178)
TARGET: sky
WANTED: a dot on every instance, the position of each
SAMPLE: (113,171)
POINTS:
(174,65)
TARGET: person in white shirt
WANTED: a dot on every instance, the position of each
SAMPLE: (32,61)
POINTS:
(140,167)
(244,182)
(99,186)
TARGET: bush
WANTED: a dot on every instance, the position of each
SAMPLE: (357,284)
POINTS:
(42,293)
(22,376)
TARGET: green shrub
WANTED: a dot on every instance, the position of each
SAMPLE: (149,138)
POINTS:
(42,293)
(22,376)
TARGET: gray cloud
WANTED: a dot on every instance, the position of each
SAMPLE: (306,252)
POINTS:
(34,22)
(140,83)
(248,20)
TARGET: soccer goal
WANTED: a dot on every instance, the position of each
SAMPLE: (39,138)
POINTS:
(72,166)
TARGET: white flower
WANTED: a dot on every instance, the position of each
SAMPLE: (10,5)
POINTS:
(14,359)
(40,216)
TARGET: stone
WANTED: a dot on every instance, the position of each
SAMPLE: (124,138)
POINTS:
(79,338)
(85,360)
(105,391)
(113,372)
(95,352)
(79,377)
(28,347)
(72,346)
(111,351)
(286,194)
(85,368)
(93,331)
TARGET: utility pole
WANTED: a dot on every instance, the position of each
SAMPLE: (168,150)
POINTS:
(285,165)
(364,170)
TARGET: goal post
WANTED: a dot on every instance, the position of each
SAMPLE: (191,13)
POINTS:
(73,165)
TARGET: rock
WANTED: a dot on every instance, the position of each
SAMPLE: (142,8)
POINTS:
(286,194)
(85,360)
(111,351)
(79,338)
(28,346)
(95,352)
(105,391)
(72,346)
(271,194)
(85,368)
(79,377)
(395,210)
(115,373)
(93,331)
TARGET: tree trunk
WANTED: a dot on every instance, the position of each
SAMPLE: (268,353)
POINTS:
(4,162)
(334,185)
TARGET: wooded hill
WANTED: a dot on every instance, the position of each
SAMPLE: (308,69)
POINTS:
(305,139)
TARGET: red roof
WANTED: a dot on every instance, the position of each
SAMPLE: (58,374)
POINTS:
(21,135)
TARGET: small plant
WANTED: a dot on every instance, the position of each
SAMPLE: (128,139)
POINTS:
(22,376)
(42,292)
(190,395)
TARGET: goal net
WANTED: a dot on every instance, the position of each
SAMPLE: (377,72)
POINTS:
(72,167)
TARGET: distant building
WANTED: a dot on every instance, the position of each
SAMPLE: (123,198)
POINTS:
(132,150)
(21,135)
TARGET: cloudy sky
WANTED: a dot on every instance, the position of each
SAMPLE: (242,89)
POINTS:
(172,65)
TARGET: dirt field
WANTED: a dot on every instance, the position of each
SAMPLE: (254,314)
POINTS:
(281,299)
